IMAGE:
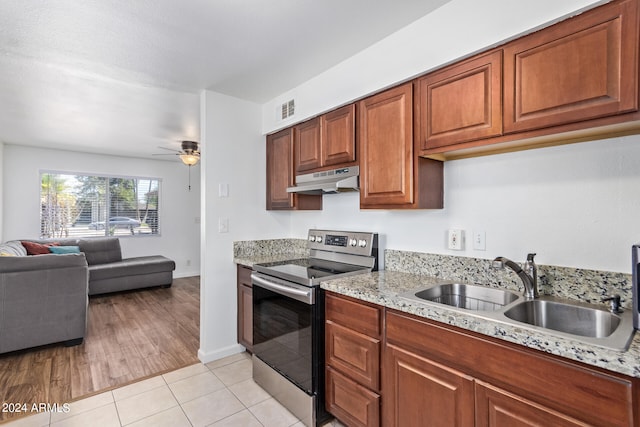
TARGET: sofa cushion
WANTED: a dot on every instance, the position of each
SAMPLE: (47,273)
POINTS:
(131,267)
(101,250)
(34,248)
(13,247)
(64,249)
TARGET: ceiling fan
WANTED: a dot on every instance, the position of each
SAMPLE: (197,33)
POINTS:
(190,154)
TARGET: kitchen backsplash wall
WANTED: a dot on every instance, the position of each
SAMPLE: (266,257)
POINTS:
(572,283)
(267,247)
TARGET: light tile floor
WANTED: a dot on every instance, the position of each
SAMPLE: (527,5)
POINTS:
(218,394)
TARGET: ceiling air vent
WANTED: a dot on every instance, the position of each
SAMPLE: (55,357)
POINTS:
(288,109)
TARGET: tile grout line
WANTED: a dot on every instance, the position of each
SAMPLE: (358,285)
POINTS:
(176,398)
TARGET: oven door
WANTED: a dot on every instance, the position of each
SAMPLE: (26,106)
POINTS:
(286,327)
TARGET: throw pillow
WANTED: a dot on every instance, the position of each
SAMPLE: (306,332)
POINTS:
(34,248)
(64,249)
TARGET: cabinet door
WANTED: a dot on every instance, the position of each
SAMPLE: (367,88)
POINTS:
(419,392)
(338,136)
(280,175)
(245,308)
(582,68)
(307,145)
(462,102)
(498,408)
(386,148)
(280,170)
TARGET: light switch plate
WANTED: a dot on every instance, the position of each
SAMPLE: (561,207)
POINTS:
(223,225)
(479,241)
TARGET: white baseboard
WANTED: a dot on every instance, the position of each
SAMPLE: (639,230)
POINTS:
(181,274)
(210,356)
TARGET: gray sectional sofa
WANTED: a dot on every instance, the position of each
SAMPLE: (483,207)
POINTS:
(43,298)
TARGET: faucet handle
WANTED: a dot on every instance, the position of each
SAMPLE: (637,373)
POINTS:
(614,306)
(530,257)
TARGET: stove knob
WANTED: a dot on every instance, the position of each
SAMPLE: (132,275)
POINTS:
(318,239)
(312,238)
(353,242)
(362,243)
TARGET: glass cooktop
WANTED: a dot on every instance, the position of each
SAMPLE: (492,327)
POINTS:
(308,271)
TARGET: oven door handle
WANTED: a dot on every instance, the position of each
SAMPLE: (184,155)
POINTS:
(297,294)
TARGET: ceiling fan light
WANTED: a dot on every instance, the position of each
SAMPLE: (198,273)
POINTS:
(190,159)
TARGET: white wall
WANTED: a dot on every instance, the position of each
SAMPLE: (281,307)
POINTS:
(180,209)
(574,205)
(233,154)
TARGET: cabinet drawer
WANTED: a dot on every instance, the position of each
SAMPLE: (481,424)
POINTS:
(358,316)
(350,402)
(354,354)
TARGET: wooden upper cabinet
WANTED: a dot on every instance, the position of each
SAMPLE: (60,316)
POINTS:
(307,145)
(338,136)
(460,103)
(280,175)
(328,140)
(392,176)
(583,68)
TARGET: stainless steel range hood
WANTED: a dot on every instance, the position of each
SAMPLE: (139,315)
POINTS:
(331,181)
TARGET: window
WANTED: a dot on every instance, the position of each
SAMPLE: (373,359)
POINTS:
(75,205)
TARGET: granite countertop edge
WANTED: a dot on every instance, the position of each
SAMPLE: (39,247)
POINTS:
(383,288)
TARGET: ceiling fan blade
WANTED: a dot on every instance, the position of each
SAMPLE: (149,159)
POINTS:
(163,154)
(170,149)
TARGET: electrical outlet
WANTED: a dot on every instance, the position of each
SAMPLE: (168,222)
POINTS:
(456,240)
(479,241)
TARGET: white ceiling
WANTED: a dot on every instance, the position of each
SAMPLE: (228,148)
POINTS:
(123,77)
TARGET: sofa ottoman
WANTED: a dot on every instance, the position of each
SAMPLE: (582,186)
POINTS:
(109,272)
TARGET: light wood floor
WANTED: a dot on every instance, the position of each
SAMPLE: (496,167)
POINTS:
(130,336)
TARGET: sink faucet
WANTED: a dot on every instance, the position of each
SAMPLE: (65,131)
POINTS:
(528,274)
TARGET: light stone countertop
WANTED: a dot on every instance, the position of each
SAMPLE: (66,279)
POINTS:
(383,288)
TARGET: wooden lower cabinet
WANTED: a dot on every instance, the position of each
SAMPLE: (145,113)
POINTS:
(437,375)
(420,392)
(245,307)
(393,369)
(352,354)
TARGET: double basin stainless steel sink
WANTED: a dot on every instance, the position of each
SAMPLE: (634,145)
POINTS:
(578,321)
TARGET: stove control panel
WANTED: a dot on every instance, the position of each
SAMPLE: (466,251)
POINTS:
(351,242)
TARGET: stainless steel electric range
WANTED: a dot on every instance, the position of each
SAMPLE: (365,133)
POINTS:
(288,317)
